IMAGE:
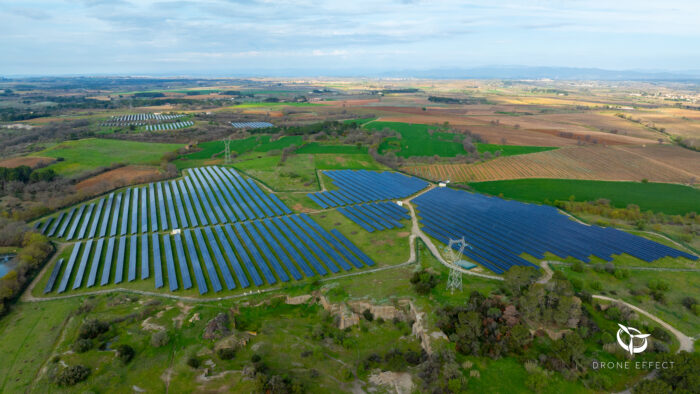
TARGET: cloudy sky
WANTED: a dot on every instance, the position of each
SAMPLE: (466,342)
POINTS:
(220,37)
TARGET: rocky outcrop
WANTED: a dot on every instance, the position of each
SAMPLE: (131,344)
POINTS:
(217,327)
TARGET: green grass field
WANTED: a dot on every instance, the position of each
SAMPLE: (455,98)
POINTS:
(657,197)
(417,141)
(315,147)
(91,153)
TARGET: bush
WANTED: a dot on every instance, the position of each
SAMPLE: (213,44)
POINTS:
(423,281)
(159,339)
(92,329)
(226,353)
(689,302)
(82,345)
(72,375)
(595,285)
(125,353)
(194,362)
(577,266)
(256,358)
(367,314)
(660,334)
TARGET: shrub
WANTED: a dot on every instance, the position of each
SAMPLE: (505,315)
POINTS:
(125,353)
(689,302)
(660,334)
(423,281)
(72,375)
(159,339)
(577,266)
(595,285)
(193,362)
(226,353)
(82,345)
(255,358)
(92,329)
(367,314)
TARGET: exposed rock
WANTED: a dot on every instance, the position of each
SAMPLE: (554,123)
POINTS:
(400,382)
(217,327)
(298,300)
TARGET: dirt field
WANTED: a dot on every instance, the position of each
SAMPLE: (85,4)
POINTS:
(120,177)
(655,163)
(32,162)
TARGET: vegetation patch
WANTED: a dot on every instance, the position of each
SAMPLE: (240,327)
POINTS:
(657,197)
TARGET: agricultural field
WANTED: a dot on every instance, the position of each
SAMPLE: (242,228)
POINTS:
(76,156)
(658,197)
(593,163)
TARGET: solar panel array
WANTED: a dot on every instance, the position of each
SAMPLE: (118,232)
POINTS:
(251,125)
(169,126)
(233,256)
(376,216)
(206,196)
(137,119)
(499,231)
(357,186)
(230,235)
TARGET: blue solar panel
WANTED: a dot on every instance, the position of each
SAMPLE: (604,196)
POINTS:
(259,261)
(161,205)
(133,247)
(157,265)
(76,220)
(195,202)
(499,231)
(203,200)
(65,224)
(95,265)
(152,207)
(364,186)
(196,266)
(69,268)
(43,229)
(106,215)
(86,221)
(208,263)
(121,256)
(238,246)
(352,247)
(54,275)
(324,245)
(178,203)
(321,255)
(226,193)
(279,251)
(264,198)
(184,195)
(231,256)
(134,210)
(209,192)
(287,247)
(56,222)
(144,210)
(83,263)
(115,215)
(184,270)
(227,180)
(171,207)
(107,268)
(329,238)
(281,274)
(170,263)
(125,212)
(96,219)
(145,260)
(290,234)
(219,258)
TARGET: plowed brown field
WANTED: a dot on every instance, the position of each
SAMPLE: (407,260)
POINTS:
(32,162)
(119,177)
(622,163)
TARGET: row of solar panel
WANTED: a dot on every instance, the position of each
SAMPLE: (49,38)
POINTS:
(251,125)
(376,216)
(268,251)
(364,186)
(208,195)
(169,126)
(499,231)
(132,117)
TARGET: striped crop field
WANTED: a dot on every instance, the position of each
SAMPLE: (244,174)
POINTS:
(594,163)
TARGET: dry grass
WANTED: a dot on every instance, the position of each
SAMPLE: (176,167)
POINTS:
(119,177)
(32,162)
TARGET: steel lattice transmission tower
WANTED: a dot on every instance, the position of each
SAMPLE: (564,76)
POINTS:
(227,150)
(454,282)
